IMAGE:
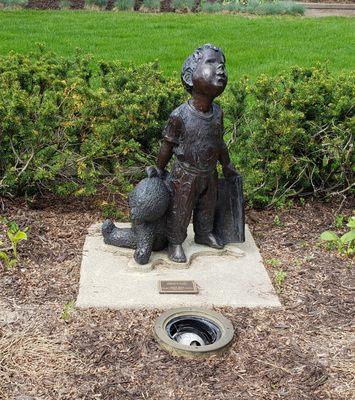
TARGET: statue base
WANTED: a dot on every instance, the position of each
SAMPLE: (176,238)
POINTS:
(160,258)
(233,276)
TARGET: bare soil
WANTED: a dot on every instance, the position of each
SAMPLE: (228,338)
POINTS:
(316,13)
(302,351)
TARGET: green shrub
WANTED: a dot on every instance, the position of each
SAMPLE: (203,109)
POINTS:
(293,8)
(96,3)
(152,5)
(251,7)
(60,132)
(296,8)
(293,134)
(209,7)
(64,4)
(280,7)
(124,5)
(69,126)
(13,3)
(232,6)
(259,7)
(183,5)
(270,8)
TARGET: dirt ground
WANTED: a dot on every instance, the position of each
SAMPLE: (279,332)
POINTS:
(302,351)
(316,13)
(334,11)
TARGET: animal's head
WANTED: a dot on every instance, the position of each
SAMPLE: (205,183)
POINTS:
(149,200)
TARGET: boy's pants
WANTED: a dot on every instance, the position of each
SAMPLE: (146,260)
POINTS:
(192,190)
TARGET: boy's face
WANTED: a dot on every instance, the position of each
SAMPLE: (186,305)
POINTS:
(210,76)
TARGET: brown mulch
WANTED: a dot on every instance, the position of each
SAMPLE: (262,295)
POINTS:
(302,351)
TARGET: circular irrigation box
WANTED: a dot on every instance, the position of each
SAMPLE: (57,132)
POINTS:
(193,332)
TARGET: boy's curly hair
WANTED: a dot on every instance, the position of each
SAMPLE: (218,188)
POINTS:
(190,64)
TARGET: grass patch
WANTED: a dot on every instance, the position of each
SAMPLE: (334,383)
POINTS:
(252,45)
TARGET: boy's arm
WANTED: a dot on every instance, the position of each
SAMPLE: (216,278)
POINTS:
(164,156)
(171,136)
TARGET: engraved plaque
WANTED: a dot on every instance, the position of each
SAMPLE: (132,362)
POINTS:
(177,287)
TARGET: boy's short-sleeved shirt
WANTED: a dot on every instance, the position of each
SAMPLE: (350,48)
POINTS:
(197,137)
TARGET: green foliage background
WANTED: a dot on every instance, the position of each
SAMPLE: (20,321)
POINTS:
(71,127)
(66,129)
(294,134)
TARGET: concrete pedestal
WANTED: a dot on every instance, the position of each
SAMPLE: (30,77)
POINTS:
(234,276)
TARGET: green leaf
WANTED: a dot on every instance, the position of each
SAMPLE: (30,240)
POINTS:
(4,256)
(12,263)
(351,223)
(20,235)
(13,227)
(329,236)
(17,237)
(348,237)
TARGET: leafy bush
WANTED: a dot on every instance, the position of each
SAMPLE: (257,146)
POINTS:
(270,8)
(294,8)
(96,3)
(293,134)
(266,7)
(211,7)
(183,5)
(151,5)
(67,129)
(251,6)
(280,7)
(261,7)
(13,3)
(232,6)
(69,126)
(124,4)
(64,4)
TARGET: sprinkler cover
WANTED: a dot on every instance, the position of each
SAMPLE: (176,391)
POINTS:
(193,332)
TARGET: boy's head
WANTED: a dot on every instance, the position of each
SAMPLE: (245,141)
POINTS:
(204,71)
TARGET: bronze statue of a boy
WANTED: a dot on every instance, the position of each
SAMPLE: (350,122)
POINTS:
(162,204)
(194,134)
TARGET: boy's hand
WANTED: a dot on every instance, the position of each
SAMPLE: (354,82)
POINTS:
(155,171)
(151,171)
(161,172)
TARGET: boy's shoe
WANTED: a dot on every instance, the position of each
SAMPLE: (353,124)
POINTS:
(176,253)
(209,240)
